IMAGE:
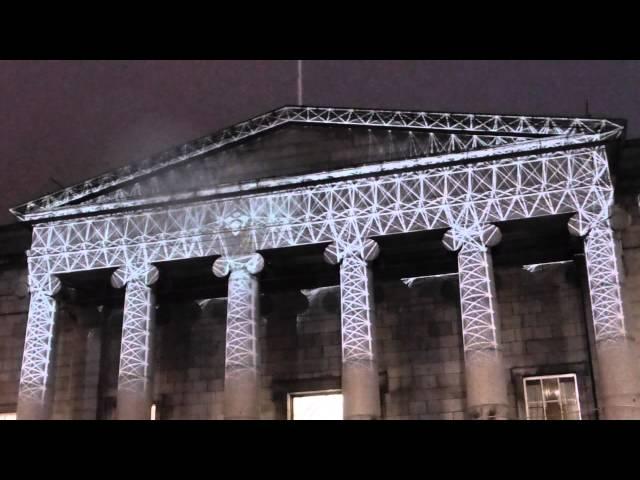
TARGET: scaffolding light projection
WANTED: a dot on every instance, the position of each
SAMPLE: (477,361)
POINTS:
(492,168)
(135,371)
(356,299)
(477,287)
(242,311)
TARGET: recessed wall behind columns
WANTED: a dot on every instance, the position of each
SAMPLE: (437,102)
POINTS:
(631,260)
(420,346)
(544,331)
(419,342)
(14,307)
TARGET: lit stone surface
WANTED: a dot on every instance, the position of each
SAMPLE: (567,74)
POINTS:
(401,353)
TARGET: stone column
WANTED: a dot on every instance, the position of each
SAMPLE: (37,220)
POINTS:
(486,383)
(616,350)
(241,376)
(360,378)
(135,376)
(37,374)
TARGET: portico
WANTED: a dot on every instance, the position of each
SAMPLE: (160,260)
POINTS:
(459,176)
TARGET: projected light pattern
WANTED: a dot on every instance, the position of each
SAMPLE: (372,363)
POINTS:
(36,369)
(356,298)
(478,304)
(242,310)
(567,130)
(135,372)
(342,212)
(345,207)
(604,278)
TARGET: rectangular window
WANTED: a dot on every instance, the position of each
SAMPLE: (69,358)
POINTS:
(8,416)
(326,405)
(153,411)
(552,397)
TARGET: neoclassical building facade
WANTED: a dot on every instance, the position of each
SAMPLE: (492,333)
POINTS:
(402,264)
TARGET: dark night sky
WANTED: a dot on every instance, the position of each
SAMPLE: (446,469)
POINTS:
(71,120)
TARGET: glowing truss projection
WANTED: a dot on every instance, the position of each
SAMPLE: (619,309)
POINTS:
(533,167)
(242,310)
(37,356)
(604,277)
(546,184)
(135,373)
(358,342)
(477,290)
(558,132)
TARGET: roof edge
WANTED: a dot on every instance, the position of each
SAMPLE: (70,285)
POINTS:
(473,122)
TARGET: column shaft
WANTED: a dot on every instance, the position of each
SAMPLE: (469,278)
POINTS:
(484,368)
(36,376)
(616,351)
(135,377)
(360,381)
(241,375)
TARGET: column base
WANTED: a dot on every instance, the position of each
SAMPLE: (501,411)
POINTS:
(361,392)
(362,417)
(133,406)
(488,412)
(619,380)
(486,385)
(241,396)
(621,408)
(32,410)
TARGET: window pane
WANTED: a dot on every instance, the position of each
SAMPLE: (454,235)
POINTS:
(535,410)
(317,407)
(551,389)
(553,411)
(7,416)
(534,391)
(553,397)
(568,389)
(568,394)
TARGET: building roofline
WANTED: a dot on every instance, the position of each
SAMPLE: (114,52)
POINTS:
(470,123)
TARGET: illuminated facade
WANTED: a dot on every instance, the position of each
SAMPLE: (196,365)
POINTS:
(352,181)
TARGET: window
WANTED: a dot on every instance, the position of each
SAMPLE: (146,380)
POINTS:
(153,411)
(552,397)
(8,416)
(325,405)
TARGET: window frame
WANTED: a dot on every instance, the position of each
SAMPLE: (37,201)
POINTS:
(540,378)
(311,393)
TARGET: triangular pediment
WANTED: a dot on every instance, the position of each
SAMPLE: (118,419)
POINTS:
(298,144)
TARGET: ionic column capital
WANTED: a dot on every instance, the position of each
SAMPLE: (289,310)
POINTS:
(368,250)
(580,225)
(48,285)
(618,219)
(253,264)
(481,237)
(145,273)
